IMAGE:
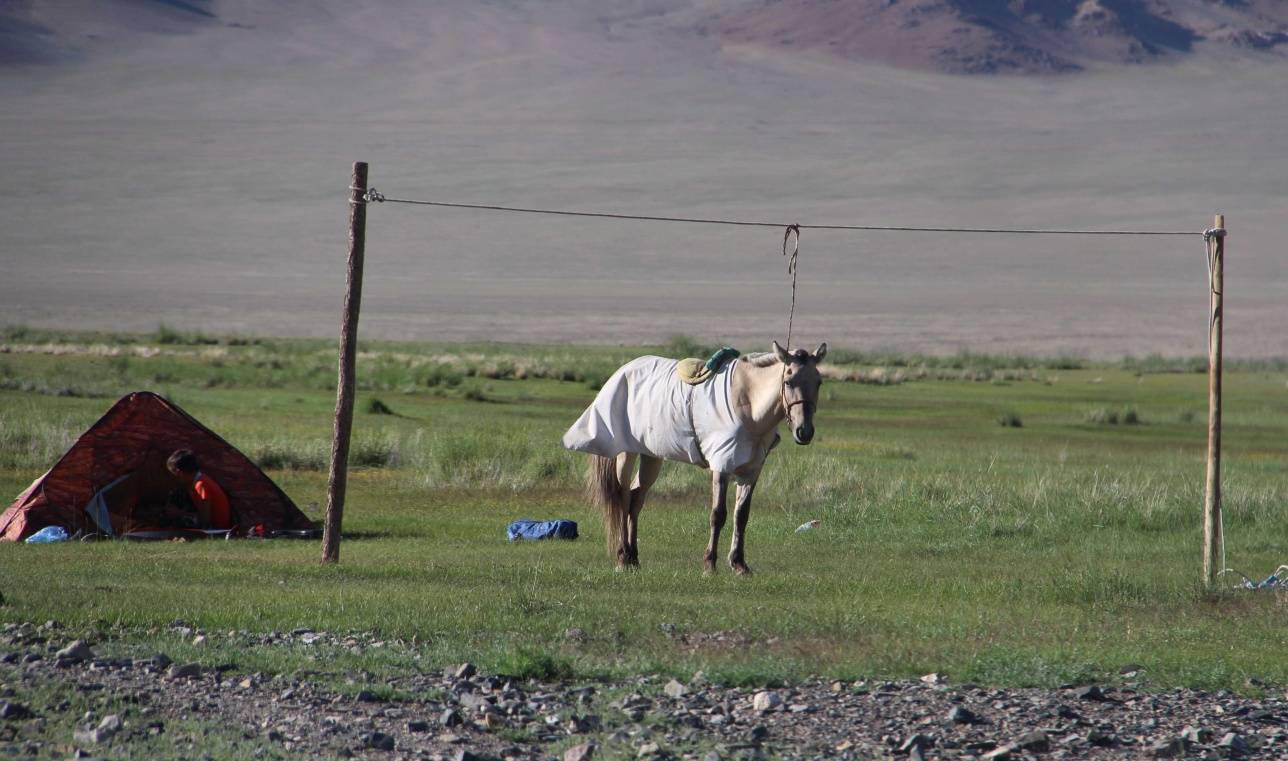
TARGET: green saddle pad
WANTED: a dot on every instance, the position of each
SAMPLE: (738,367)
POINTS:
(693,371)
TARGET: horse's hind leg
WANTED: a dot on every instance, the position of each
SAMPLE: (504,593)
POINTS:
(719,488)
(625,468)
(650,467)
(741,511)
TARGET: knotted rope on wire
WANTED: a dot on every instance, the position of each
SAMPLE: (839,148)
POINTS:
(791,233)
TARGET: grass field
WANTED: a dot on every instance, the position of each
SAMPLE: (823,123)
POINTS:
(1006,521)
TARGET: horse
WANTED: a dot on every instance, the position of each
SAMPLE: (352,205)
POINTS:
(727,424)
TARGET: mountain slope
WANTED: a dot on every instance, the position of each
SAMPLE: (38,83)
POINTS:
(990,36)
(43,32)
(956,36)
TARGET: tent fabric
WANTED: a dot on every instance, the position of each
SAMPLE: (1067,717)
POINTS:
(130,444)
(97,508)
(530,529)
(646,408)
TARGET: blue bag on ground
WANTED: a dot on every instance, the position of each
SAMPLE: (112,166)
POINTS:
(51,534)
(530,529)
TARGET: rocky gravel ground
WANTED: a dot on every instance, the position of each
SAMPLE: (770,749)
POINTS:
(460,713)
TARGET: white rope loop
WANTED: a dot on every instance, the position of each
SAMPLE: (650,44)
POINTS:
(370,195)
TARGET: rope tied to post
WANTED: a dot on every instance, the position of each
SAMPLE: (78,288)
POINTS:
(792,234)
(369,195)
(1210,238)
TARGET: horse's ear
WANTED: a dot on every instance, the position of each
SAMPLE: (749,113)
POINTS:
(820,352)
(782,354)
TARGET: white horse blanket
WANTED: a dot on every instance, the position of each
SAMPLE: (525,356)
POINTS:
(644,408)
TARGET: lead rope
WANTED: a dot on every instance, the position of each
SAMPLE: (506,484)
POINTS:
(792,233)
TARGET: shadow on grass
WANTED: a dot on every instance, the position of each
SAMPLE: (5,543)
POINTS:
(364,536)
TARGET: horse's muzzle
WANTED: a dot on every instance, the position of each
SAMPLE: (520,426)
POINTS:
(803,434)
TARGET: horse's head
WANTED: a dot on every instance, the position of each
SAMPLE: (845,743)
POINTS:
(801,381)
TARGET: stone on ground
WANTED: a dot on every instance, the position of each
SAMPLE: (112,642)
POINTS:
(79,650)
(766,700)
(185,671)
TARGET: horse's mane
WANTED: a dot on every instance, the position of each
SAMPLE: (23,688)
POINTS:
(761,358)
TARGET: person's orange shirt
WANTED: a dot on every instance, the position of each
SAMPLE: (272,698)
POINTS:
(207,493)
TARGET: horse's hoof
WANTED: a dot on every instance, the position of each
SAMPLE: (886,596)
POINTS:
(742,570)
(709,569)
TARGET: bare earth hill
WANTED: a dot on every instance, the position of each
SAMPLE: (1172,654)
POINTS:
(52,31)
(990,36)
(955,36)
(185,161)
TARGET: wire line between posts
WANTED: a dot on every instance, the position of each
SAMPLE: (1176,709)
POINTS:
(375,196)
(791,229)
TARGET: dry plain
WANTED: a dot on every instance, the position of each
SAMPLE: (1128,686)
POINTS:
(197,177)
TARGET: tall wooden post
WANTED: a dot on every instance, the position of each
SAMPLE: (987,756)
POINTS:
(1213,541)
(348,359)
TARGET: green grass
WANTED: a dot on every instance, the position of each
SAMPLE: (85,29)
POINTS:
(1054,551)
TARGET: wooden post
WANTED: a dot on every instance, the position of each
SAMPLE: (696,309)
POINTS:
(348,359)
(1213,541)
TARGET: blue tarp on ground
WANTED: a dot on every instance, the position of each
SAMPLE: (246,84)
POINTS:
(49,535)
(530,529)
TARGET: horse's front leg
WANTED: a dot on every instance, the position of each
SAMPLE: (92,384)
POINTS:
(719,488)
(741,511)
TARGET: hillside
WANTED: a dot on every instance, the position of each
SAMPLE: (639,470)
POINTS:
(62,31)
(1013,36)
(953,36)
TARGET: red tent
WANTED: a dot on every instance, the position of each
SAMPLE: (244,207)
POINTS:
(127,448)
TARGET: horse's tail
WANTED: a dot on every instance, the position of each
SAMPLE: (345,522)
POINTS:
(605,490)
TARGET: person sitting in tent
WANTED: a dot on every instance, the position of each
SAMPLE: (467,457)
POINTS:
(207,496)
